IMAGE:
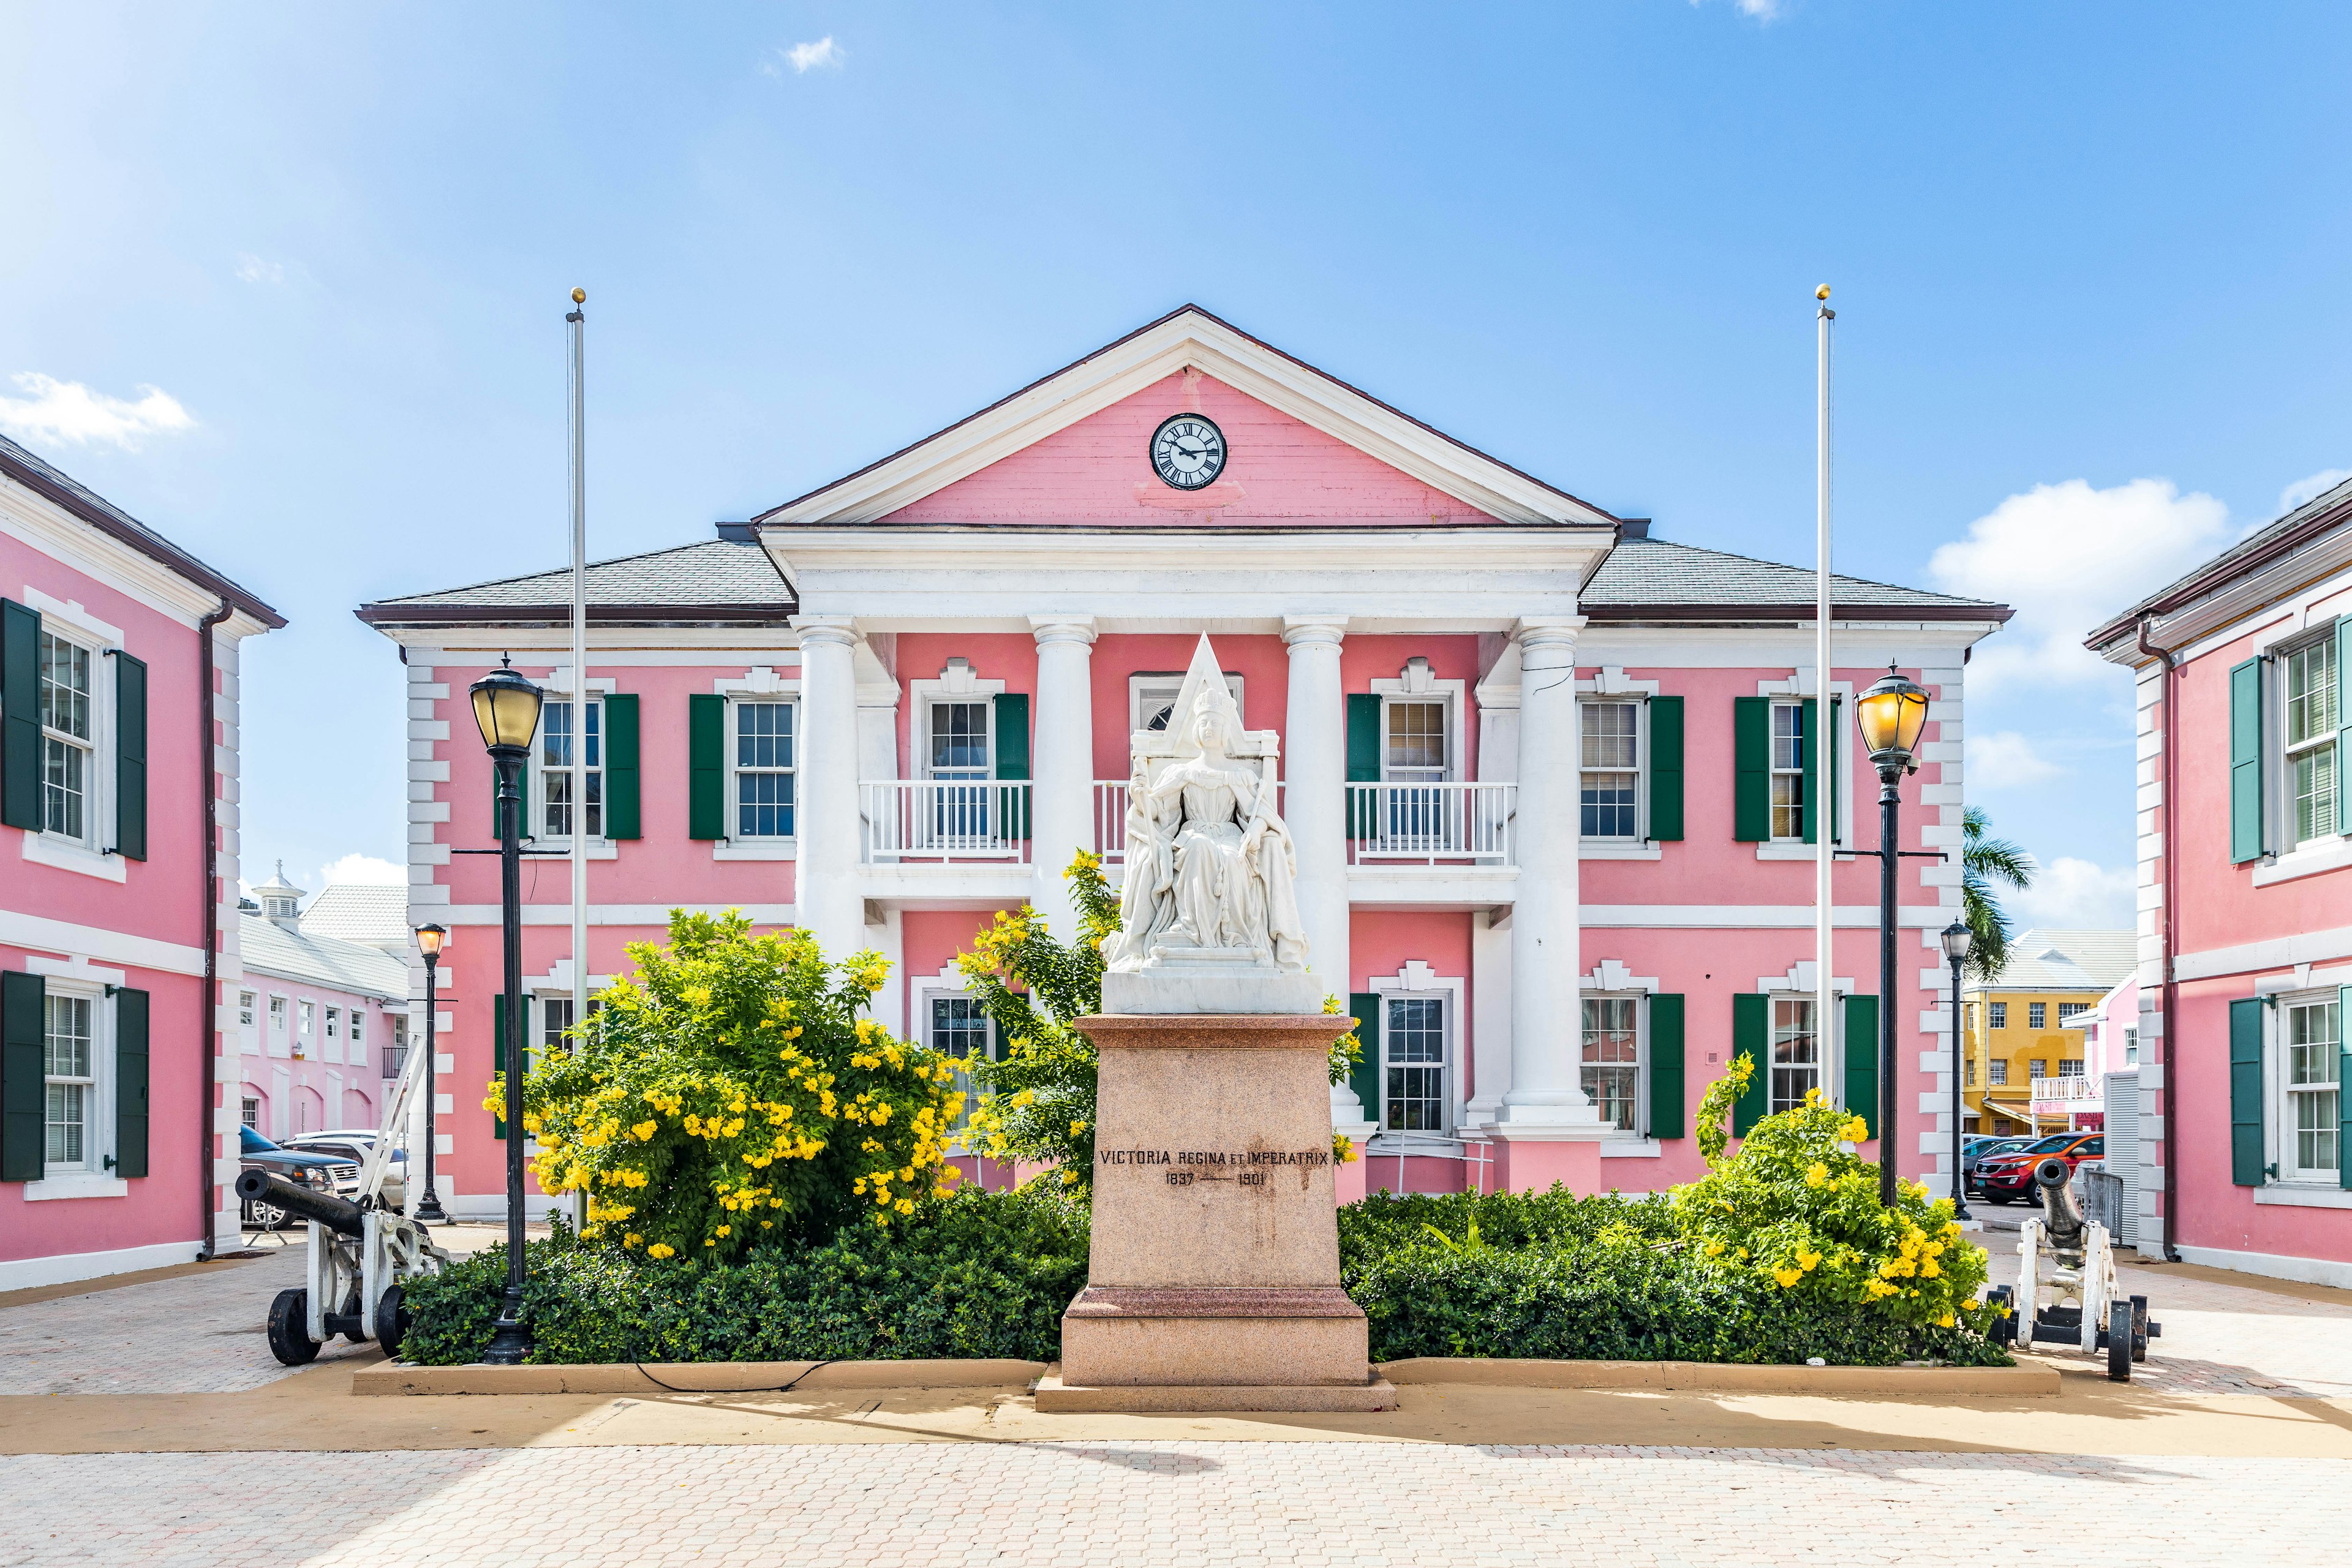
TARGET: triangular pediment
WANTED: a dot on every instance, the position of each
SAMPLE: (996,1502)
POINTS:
(1306,448)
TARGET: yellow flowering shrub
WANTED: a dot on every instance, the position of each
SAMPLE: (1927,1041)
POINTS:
(1792,1206)
(728,1094)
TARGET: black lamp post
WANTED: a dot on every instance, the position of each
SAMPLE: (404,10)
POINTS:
(505,706)
(1891,715)
(1956,939)
(430,940)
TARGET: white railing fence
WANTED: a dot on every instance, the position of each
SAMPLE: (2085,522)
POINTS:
(945,819)
(1432,822)
(1110,820)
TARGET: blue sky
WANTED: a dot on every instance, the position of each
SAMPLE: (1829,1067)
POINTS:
(2090,262)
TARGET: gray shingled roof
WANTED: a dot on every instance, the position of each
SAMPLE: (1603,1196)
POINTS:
(713,571)
(2214,573)
(39,474)
(263,945)
(1661,571)
(372,914)
(2067,961)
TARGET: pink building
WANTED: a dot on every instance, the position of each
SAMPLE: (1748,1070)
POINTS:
(1554,784)
(119,823)
(322,1022)
(2245,862)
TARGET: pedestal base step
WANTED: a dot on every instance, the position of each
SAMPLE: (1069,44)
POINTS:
(1056,1398)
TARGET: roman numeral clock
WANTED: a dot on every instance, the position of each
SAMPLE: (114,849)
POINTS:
(1188,451)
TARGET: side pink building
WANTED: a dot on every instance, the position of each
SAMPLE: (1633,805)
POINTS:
(119,703)
(323,1022)
(2245,863)
(1554,782)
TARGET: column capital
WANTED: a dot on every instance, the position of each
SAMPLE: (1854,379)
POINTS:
(836,631)
(1051,629)
(1314,630)
(1548,631)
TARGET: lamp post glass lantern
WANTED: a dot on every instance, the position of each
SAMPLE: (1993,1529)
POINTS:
(1890,715)
(505,707)
(1956,939)
(430,940)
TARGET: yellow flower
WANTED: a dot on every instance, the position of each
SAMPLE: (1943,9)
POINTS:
(1787,1277)
(1078,1129)
(644,1130)
(724,1229)
(1946,1320)
(1855,1130)
(632,1239)
(661,1250)
(1805,1260)
(1816,1175)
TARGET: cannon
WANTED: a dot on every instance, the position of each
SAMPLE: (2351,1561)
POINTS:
(2066,1290)
(360,1253)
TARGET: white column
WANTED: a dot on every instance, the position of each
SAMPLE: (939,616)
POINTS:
(832,837)
(1315,805)
(1063,765)
(1545,956)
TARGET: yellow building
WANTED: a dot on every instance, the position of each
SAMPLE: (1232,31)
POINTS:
(2017,1030)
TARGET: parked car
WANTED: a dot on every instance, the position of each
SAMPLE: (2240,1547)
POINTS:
(1987,1145)
(2008,1177)
(349,1147)
(310,1168)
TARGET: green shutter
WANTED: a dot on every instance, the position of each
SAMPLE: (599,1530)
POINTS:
(1809,750)
(130,1082)
(1751,763)
(2343,1062)
(1837,771)
(22,1060)
(497,1057)
(1009,719)
(1751,1037)
(2344,760)
(622,818)
(1668,1117)
(1366,1077)
(2245,762)
(20,717)
(1363,759)
(1862,1060)
(129,757)
(2245,1086)
(706,767)
(1667,770)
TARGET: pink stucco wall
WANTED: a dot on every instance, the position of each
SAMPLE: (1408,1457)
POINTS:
(310,1100)
(1098,470)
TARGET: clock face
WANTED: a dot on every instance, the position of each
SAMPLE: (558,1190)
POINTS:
(1188,451)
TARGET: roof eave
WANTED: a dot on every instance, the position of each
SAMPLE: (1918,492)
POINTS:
(385,616)
(1791,614)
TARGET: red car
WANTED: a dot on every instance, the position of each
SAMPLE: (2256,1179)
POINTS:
(2009,1178)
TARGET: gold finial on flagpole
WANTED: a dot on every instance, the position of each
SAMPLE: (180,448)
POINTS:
(580,296)
(1820,293)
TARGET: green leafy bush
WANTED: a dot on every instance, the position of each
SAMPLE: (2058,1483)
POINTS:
(978,1275)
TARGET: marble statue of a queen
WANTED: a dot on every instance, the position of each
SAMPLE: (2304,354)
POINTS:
(1211,877)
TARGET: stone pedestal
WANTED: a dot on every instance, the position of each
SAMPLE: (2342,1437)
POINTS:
(1214,1280)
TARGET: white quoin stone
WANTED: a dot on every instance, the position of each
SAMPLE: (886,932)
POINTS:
(1062,786)
(826,883)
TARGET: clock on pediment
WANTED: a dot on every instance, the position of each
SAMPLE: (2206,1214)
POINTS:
(1188,451)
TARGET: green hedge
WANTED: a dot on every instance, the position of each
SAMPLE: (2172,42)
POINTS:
(978,1275)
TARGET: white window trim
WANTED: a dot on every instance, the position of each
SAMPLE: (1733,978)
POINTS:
(1611,978)
(278,1043)
(1171,681)
(1414,683)
(762,683)
(300,1038)
(956,683)
(1416,979)
(1639,840)
(1802,980)
(2278,1129)
(1797,687)
(96,1178)
(559,689)
(923,991)
(2278,778)
(89,855)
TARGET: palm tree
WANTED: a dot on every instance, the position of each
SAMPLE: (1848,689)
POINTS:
(1985,860)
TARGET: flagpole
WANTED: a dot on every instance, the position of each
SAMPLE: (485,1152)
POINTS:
(578,319)
(1826,739)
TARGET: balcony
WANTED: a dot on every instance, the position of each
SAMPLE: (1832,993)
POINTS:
(919,821)
(1441,824)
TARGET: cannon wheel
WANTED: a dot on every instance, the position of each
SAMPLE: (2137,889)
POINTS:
(391,1321)
(2139,1328)
(290,1329)
(2119,1342)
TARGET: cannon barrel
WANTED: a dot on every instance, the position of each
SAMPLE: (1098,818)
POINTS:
(2059,1212)
(336,1214)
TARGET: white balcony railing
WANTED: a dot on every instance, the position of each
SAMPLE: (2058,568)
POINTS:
(1110,820)
(1436,823)
(2072,1088)
(940,819)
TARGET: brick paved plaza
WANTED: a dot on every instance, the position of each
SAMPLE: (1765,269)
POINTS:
(2231,1447)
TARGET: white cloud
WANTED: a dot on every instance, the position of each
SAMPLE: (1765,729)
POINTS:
(1763,10)
(2310,484)
(2073,894)
(805,58)
(67,412)
(251,268)
(2003,759)
(364,868)
(2067,556)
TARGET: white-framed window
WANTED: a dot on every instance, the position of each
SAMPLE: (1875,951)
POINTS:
(1152,696)
(1969,1073)
(1612,1059)
(2069,1066)
(2068,1011)
(306,1026)
(2039,1068)
(249,1113)
(1796,1052)
(334,1022)
(2037,1014)
(2311,1036)
(551,780)
(1611,786)
(1999,1011)
(1416,1058)
(1789,772)
(358,1031)
(765,756)
(954,1027)
(956,740)
(2311,768)
(244,1000)
(71,1057)
(68,738)
(555,1022)
(1415,740)
(1997,1070)
(2131,1045)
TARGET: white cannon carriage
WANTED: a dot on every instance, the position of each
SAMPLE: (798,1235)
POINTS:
(2067,1290)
